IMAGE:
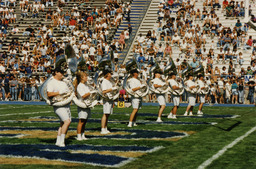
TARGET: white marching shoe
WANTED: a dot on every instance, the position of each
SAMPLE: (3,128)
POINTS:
(79,138)
(200,113)
(130,124)
(190,113)
(169,116)
(61,144)
(104,131)
(159,120)
(84,138)
(186,113)
(174,116)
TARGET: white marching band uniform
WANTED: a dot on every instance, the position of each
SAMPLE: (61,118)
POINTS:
(191,97)
(63,112)
(175,98)
(160,97)
(82,89)
(201,96)
(107,105)
(136,101)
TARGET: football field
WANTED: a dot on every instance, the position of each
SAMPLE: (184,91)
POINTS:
(224,137)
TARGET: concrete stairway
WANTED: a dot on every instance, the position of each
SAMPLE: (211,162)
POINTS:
(138,9)
(148,22)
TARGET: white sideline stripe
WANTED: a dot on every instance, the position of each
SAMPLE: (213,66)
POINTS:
(14,114)
(224,149)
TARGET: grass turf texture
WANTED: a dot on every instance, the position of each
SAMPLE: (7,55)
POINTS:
(188,152)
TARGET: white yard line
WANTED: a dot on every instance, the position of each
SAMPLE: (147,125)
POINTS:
(14,114)
(224,149)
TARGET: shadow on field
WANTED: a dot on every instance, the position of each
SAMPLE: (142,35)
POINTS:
(228,124)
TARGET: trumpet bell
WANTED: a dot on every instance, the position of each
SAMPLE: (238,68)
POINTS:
(71,58)
(198,70)
(131,65)
(186,69)
(105,63)
(170,68)
(82,65)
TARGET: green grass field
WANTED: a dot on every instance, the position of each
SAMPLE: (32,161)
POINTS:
(205,136)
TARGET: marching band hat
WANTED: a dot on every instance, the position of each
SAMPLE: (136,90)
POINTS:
(106,71)
(134,71)
(189,75)
(171,74)
(59,69)
(200,75)
(158,71)
(251,79)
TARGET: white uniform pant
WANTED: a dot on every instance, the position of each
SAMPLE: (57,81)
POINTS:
(63,112)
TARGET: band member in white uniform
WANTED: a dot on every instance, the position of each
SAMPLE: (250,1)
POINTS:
(135,85)
(175,98)
(57,87)
(106,87)
(83,93)
(157,82)
(191,97)
(201,96)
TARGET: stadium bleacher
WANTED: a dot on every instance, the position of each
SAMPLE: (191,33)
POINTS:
(40,49)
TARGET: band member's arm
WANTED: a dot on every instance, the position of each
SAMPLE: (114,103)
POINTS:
(175,87)
(136,88)
(156,85)
(86,95)
(107,91)
(52,94)
(191,87)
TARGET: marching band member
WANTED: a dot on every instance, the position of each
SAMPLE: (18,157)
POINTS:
(201,96)
(58,87)
(83,92)
(191,97)
(157,82)
(106,87)
(176,98)
(135,85)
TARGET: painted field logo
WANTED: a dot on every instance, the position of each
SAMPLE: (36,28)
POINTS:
(45,152)
(109,156)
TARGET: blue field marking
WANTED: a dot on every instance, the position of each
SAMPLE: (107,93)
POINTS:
(141,134)
(10,135)
(69,154)
(144,122)
(38,151)
(127,134)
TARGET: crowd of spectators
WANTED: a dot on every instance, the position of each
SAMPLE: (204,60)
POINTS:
(88,29)
(201,40)
(25,65)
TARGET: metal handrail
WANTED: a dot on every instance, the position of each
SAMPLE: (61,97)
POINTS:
(136,28)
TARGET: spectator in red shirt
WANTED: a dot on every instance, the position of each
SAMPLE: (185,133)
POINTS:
(224,4)
(248,45)
(72,23)
(90,20)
